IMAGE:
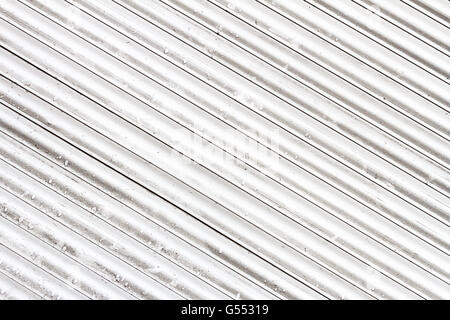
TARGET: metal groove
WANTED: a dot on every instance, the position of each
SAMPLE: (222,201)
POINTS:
(405,53)
(344,101)
(378,155)
(389,69)
(87,199)
(172,225)
(131,260)
(42,230)
(399,16)
(254,234)
(145,182)
(434,10)
(377,172)
(35,279)
(223,149)
(12,290)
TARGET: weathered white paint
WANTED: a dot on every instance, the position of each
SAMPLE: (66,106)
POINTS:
(224,149)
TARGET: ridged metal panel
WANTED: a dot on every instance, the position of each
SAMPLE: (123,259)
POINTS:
(224,149)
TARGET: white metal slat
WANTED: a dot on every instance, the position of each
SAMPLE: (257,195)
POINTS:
(162,183)
(59,265)
(174,222)
(300,154)
(11,290)
(45,226)
(39,282)
(311,101)
(328,254)
(128,111)
(406,18)
(330,85)
(437,10)
(140,229)
(130,191)
(104,236)
(377,59)
(388,35)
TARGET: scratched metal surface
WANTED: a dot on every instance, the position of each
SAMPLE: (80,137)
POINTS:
(224,149)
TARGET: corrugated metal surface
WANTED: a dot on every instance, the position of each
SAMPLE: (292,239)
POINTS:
(225,149)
